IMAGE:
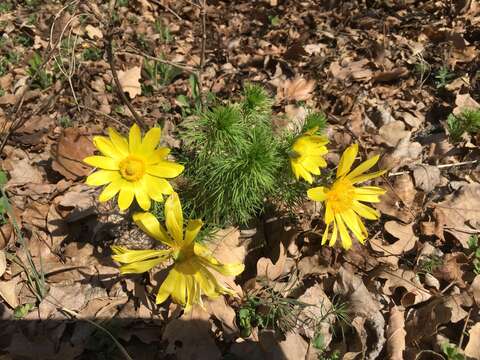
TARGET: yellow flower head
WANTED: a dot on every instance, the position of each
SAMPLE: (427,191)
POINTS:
(307,155)
(190,276)
(135,167)
(344,202)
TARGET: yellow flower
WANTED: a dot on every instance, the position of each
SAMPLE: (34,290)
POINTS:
(133,167)
(307,155)
(190,276)
(344,202)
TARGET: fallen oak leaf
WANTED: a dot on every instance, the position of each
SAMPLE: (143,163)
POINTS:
(298,89)
(130,81)
(472,350)
(396,334)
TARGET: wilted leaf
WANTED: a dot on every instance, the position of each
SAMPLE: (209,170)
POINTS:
(298,89)
(8,291)
(426,177)
(405,152)
(130,81)
(267,269)
(392,132)
(24,173)
(3,263)
(189,337)
(72,147)
(93,32)
(355,70)
(396,334)
(472,350)
(459,214)
(223,312)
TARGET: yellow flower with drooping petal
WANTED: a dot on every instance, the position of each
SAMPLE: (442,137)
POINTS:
(134,168)
(191,276)
(307,153)
(344,203)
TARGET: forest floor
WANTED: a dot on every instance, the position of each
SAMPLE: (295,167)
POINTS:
(389,75)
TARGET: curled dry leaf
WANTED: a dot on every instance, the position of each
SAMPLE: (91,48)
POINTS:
(464,102)
(130,81)
(392,252)
(472,350)
(362,303)
(459,214)
(68,154)
(392,132)
(398,199)
(355,70)
(189,337)
(8,291)
(93,32)
(269,270)
(451,268)
(298,89)
(223,312)
(3,263)
(405,153)
(396,334)
(292,347)
(426,177)
(23,173)
(475,289)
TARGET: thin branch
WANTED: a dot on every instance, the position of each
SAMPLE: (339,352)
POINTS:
(181,66)
(442,166)
(103,114)
(203,18)
(111,61)
(165,7)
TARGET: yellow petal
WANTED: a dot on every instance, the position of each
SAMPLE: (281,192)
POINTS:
(156,187)
(363,229)
(142,197)
(127,256)
(179,292)
(365,177)
(165,169)
(350,218)
(365,211)
(304,174)
(208,260)
(111,190)
(174,217)
(363,167)
(102,162)
(125,198)
(325,234)
(106,147)
(193,227)
(120,142)
(329,215)
(317,193)
(367,198)
(134,139)
(151,140)
(344,235)
(157,155)
(295,168)
(369,190)
(206,281)
(102,177)
(333,238)
(311,165)
(347,160)
(167,287)
(150,225)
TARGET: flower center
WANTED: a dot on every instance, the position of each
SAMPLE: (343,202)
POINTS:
(132,168)
(341,195)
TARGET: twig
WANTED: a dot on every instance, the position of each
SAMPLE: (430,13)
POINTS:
(203,17)
(165,7)
(111,61)
(135,51)
(443,166)
(464,328)
(103,114)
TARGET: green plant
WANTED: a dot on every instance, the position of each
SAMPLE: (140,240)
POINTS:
(5,7)
(474,246)
(92,54)
(274,20)
(468,121)
(32,3)
(65,121)
(40,78)
(164,32)
(237,161)
(122,2)
(443,77)
(24,40)
(158,74)
(193,104)
(2,92)
(428,264)
(22,310)
(451,351)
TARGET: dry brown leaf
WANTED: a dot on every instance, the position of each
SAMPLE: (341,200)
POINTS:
(24,173)
(68,154)
(362,303)
(396,334)
(398,200)
(298,89)
(355,70)
(189,337)
(387,76)
(3,263)
(459,214)
(292,347)
(405,153)
(451,268)
(8,291)
(464,102)
(267,269)
(93,32)
(472,350)
(130,81)
(223,312)
(80,200)
(426,177)
(475,289)
(392,252)
(392,132)
(407,281)
(71,297)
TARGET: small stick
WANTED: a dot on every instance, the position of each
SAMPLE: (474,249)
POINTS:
(165,7)
(135,51)
(103,114)
(443,166)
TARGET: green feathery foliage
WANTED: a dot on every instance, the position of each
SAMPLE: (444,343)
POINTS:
(236,162)
(468,121)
